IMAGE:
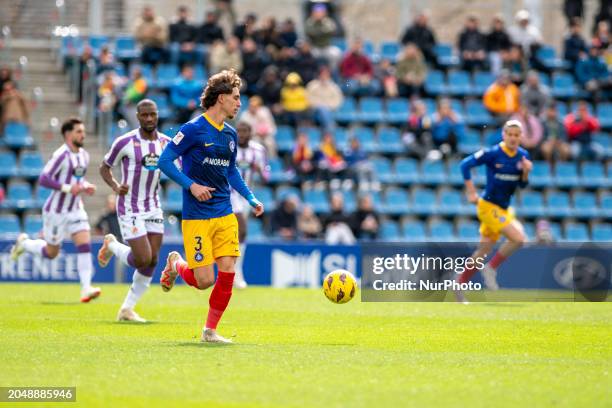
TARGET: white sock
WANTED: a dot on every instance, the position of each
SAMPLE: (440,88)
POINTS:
(34,246)
(85,266)
(140,284)
(121,251)
(238,267)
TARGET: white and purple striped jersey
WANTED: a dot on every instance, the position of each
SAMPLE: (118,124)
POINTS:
(249,157)
(65,167)
(138,158)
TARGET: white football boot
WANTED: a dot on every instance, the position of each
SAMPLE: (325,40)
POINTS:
(211,336)
(489,276)
(17,250)
(129,315)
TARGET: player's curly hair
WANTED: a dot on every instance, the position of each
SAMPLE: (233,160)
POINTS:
(219,84)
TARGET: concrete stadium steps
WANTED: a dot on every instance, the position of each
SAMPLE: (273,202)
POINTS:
(36,18)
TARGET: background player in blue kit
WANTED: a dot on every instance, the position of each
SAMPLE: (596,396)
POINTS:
(208,148)
(508,167)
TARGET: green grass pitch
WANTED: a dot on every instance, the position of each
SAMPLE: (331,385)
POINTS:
(296,349)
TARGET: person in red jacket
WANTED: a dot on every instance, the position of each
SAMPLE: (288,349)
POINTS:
(358,71)
(580,127)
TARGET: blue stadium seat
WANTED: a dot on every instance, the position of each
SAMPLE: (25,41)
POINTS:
(200,75)
(602,232)
(285,138)
(317,199)
(9,165)
(430,105)
(424,202)
(285,191)
(147,71)
(9,226)
(389,231)
(459,83)
(566,174)
(585,205)
(17,135)
(32,225)
(414,231)
(350,201)
(340,43)
(265,195)
(433,172)
(606,205)
(558,204)
(71,46)
(377,201)
(604,114)
(347,112)
(593,174)
(389,50)
(366,138)
(605,140)
(41,195)
(562,110)
(441,231)
(255,230)
(529,230)
(371,110)
(540,175)
(563,85)
(450,202)
(470,142)
(341,136)
(397,111)
(482,81)
(125,48)
(19,196)
(174,199)
(278,174)
(383,170)
(396,201)
(555,228)
(170,129)
(166,75)
(435,83)
(532,204)
(544,78)
(30,164)
(457,106)
(468,231)
(390,140)
(576,232)
(96,42)
(314,135)
(163,105)
(406,171)
(454,172)
(445,56)
(477,115)
(492,137)
(548,57)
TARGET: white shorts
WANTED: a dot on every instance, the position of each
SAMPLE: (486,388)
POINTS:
(239,204)
(57,226)
(140,224)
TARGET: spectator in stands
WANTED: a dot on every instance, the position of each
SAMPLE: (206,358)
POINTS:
(330,163)
(84,61)
(185,94)
(226,15)
(472,45)
(262,122)
(336,224)
(534,95)
(601,38)
(284,219)
(525,34)
(108,222)
(247,27)
(416,134)
(410,71)
(225,56)
(515,63)
(555,142)
(14,107)
(324,97)
(286,61)
(422,35)
(358,72)
(308,224)
(359,167)
(288,34)
(502,97)
(447,128)
(592,73)
(134,92)
(302,158)
(304,61)
(384,73)
(574,45)
(269,35)
(581,126)
(108,92)
(573,10)
(106,61)
(320,29)
(254,62)
(210,31)
(365,222)
(183,38)
(533,132)
(498,42)
(269,89)
(152,33)
(294,100)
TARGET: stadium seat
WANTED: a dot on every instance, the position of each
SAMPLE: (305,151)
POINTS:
(17,135)
(314,135)
(389,231)
(468,231)
(529,231)
(30,165)
(285,191)
(389,50)
(264,194)
(454,172)
(482,81)
(278,174)
(96,42)
(350,201)
(441,231)
(459,83)
(255,230)
(383,170)
(602,232)
(371,110)
(9,165)
(32,225)
(566,174)
(166,75)
(200,75)
(450,203)
(71,46)
(457,106)
(532,204)
(563,85)
(163,105)
(366,138)
(9,226)
(424,202)
(585,205)
(430,105)
(548,57)
(593,175)
(470,142)
(406,171)
(340,43)
(126,49)
(341,136)
(396,202)
(146,70)
(444,55)
(544,78)
(435,84)
(347,112)
(414,231)
(492,137)
(41,195)
(558,204)
(555,229)
(397,111)
(604,114)
(477,115)
(606,205)
(390,140)
(605,140)
(540,175)
(377,201)
(170,129)
(433,172)
(317,199)
(576,232)
(561,109)
(19,196)
(285,138)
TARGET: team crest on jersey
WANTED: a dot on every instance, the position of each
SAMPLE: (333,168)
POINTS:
(150,161)
(198,257)
(79,172)
(232,146)
(177,139)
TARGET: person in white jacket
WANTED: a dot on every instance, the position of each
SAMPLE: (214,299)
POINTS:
(325,96)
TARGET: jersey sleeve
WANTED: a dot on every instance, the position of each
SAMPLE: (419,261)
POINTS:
(116,152)
(480,157)
(179,146)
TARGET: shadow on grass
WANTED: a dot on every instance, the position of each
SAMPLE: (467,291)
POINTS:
(199,344)
(51,303)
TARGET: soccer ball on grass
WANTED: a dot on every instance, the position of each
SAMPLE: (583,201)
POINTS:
(339,286)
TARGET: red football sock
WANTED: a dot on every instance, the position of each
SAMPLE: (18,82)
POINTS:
(466,275)
(219,298)
(186,273)
(496,260)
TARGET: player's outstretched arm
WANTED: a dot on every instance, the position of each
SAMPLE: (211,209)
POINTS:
(237,182)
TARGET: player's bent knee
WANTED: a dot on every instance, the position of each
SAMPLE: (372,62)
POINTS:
(204,282)
(141,261)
